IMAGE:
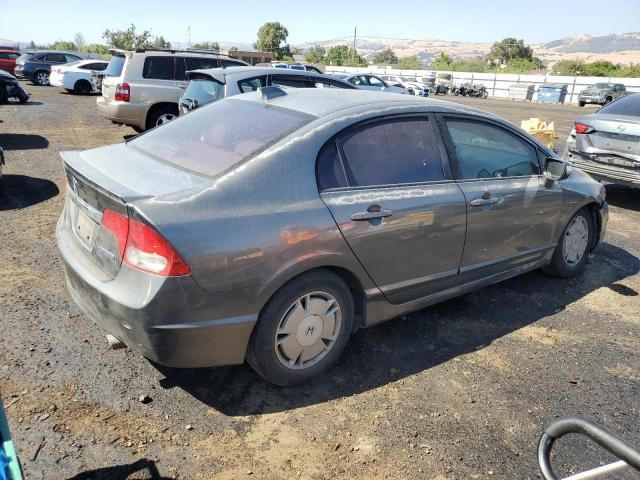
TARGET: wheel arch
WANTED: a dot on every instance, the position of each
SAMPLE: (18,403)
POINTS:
(157,106)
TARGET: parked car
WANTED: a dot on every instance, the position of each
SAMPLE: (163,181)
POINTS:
(142,88)
(76,77)
(271,227)
(8,60)
(365,81)
(411,85)
(601,93)
(10,88)
(606,143)
(207,86)
(305,66)
(37,66)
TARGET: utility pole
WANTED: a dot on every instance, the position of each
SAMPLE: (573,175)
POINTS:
(355,30)
(189,35)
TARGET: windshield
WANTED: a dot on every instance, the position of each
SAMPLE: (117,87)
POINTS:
(114,69)
(599,85)
(203,92)
(211,140)
(627,105)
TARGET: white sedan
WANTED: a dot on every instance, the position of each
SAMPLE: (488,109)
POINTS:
(366,81)
(75,77)
(413,86)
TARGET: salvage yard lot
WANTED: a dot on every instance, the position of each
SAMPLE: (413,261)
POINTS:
(457,391)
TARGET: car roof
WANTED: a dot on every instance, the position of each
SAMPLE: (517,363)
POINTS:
(321,102)
(220,74)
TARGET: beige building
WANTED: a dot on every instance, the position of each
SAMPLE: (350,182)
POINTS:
(250,57)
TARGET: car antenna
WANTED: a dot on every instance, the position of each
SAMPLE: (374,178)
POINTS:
(271,92)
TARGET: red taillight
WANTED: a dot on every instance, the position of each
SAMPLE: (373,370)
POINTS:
(122,92)
(142,247)
(583,128)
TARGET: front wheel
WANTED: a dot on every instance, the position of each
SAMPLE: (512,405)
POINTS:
(41,77)
(573,247)
(302,330)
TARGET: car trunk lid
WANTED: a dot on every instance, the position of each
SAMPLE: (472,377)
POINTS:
(613,136)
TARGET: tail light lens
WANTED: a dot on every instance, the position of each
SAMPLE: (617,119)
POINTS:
(122,92)
(583,128)
(143,248)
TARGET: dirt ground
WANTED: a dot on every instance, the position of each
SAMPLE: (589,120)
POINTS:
(461,390)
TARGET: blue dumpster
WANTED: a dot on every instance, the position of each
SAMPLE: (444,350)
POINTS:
(552,92)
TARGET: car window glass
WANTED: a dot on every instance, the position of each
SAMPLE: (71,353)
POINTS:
(487,151)
(625,105)
(329,168)
(375,82)
(197,63)
(13,56)
(231,63)
(99,66)
(358,80)
(56,57)
(159,68)
(4,56)
(203,91)
(114,69)
(395,151)
(251,84)
(71,58)
(294,82)
(324,83)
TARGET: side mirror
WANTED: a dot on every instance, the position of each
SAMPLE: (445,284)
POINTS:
(555,169)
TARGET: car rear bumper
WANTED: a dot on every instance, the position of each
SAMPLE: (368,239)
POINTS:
(56,79)
(170,320)
(122,112)
(606,172)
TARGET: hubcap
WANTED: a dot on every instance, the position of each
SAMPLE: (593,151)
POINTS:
(308,330)
(575,241)
(43,78)
(162,119)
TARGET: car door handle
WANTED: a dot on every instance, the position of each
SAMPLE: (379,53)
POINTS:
(364,216)
(485,200)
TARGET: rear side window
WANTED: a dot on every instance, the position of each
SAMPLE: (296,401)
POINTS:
(289,81)
(251,84)
(158,68)
(329,169)
(114,69)
(212,140)
(395,151)
(56,57)
(627,105)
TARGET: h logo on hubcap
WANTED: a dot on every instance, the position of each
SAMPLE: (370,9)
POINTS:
(310,331)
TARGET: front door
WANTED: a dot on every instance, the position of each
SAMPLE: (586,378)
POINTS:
(512,210)
(402,217)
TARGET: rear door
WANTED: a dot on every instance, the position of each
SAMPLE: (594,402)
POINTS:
(513,213)
(159,80)
(401,214)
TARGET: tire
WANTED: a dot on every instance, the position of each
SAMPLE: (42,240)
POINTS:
(609,99)
(581,104)
(161,115)
(82,87)
(563,263)
(4,98)
(294,312)
(41,77)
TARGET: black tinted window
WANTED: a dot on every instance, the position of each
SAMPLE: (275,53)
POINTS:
(160,68)
(295,82)
(487,151)
(329,168)
(232,63)
(56,57)
(627,105)
(392,152)
(197,63)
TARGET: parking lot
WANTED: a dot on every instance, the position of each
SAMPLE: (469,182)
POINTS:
(460,390)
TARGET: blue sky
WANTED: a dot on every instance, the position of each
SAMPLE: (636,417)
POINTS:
(462,20)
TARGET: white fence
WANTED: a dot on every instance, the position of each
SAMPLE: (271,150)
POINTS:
(498,83)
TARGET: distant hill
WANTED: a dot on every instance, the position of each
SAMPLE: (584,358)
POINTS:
(618,48)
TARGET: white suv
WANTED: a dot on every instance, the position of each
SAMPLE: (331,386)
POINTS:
(142,88)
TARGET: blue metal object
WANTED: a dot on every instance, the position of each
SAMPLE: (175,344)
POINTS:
(552,93)
(9,464)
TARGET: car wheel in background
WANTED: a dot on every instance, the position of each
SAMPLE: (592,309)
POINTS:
(572,250)
(302,330)
(41,77)
(581,104)
(82,87)
(607,100)
(160,115)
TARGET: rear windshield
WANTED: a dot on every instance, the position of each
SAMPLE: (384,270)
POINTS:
(114,69)
(627,105)
(213,139)
(203,91)
(600,85)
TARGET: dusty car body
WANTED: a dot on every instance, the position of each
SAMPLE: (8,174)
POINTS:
(606,143)
(601,93)
(257,228)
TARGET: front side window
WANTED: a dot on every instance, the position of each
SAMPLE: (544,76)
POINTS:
(483,150)
(395,151)
(376,82)
(71,58)
(358,80)
(158,68)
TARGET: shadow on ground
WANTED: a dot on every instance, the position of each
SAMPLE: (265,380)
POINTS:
(22,141)
(123,472)
(21,191)
(624,197)
(411,344)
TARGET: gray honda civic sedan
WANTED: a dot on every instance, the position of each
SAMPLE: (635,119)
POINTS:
(269,226)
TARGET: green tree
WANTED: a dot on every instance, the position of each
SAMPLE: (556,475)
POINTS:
(508,49)
(569,67)
(270,36)
(207,46)
(342,55)
(601,68)
(128,39)
(385,57)
(96,48)
(32,45)
(442,62)
(521,65)
(410,63)
(469,65)
(78,40)
(316,54)
(632,70)
(159,42)
(64,45)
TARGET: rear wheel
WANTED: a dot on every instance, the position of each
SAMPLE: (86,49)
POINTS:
(572,250)
(581,104)
(302,330)
(607,100)
(41,77)
(82,87)
(160,115)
